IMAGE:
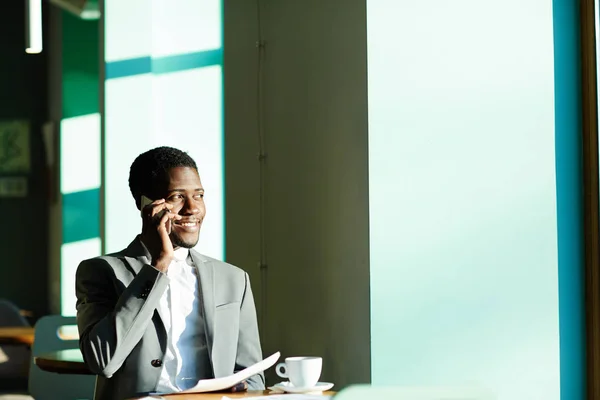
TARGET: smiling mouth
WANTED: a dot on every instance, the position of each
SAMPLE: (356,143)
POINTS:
(187,225)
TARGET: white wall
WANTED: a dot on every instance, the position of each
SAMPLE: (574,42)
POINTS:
(314,297)
(462,192)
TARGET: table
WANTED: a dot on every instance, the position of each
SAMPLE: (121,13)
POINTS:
(17,335)
(63,362)
(71,362)
(219,395)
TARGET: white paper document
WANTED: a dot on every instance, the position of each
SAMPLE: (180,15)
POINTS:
(216,384)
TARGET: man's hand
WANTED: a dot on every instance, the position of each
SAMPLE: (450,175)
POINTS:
(240,387)
(156,227)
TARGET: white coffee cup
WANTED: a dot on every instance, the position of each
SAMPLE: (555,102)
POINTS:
(301,371)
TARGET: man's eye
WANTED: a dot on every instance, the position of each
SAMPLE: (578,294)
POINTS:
(199,196)
(176,197)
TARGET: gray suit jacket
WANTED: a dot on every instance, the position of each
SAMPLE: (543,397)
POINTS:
(122,337)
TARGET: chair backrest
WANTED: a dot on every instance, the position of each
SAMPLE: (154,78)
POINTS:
(52,386)
(10,315)
(360,392)
(14,358)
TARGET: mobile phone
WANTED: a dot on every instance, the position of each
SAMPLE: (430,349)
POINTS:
(144,202)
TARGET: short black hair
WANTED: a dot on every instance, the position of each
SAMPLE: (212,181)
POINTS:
(149,170)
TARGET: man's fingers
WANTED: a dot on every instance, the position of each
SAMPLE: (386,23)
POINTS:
(164,227)
(240,387)
(158,210)
(163,223)
(166,218)
(154,207)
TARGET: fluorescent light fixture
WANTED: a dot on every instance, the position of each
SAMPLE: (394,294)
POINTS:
(33,23)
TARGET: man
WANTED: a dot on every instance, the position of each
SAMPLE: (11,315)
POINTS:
(158,316)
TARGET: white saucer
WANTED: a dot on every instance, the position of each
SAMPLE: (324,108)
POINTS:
(289,388)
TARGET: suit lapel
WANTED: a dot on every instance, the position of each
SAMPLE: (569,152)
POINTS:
(205,270)
(136,255)
(136,264)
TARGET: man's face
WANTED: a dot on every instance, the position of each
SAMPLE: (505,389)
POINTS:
(185,192)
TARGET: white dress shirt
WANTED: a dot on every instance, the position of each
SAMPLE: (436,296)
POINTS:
(186,359)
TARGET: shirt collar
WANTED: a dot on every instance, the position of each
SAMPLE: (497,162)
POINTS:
(181,254)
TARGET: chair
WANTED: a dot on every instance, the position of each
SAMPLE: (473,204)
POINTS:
(14,358)
(10,314)
(52,386)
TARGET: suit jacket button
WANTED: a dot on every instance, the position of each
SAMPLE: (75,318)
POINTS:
(156,363)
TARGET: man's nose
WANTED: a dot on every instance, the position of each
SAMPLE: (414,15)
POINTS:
(190,206)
